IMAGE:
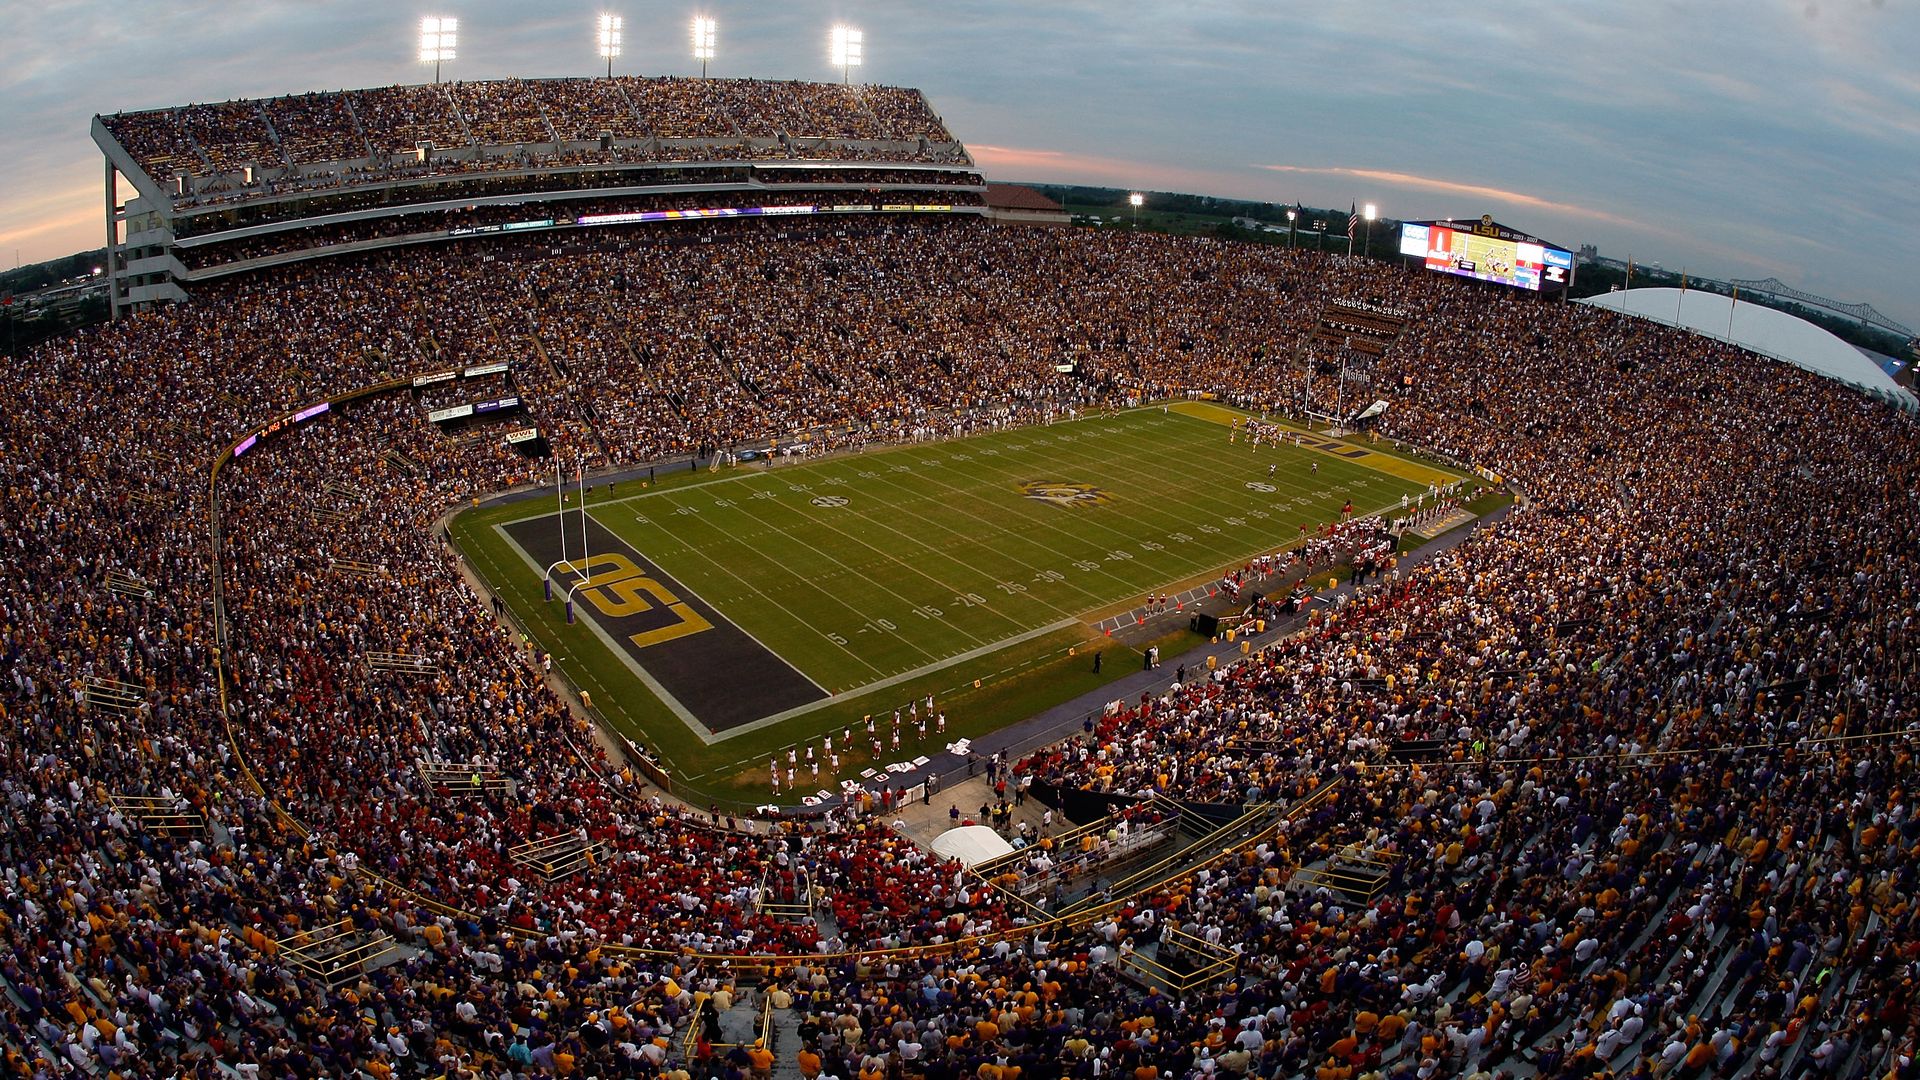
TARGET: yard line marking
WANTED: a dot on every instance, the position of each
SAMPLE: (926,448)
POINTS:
(1097,444)
(883,585)
(1207,558)
(943,525)
(902,677)
(790,612)
(1228,462)
(1044,522)
(736,625)
(1293,482)
(954,557)
(1126,537)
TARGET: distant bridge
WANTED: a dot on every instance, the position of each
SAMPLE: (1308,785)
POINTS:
(1864,312)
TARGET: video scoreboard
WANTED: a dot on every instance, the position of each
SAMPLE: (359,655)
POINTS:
(1487,251)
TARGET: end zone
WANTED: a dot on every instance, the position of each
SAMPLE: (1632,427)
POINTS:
(1390,464)
(671,639)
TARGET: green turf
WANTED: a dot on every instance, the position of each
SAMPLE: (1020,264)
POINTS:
(936,560)
(937,552)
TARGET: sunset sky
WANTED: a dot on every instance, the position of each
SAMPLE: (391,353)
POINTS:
(1740,139)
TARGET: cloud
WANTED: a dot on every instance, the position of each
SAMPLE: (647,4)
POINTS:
(1069,167)
(75,224)
(986,152)
(1673,130)
(1453,187)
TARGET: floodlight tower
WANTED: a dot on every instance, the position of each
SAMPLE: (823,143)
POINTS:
(1136,200)
(437,41)
(1290,230)
(848,47)
(1369,213)
(610,40)
(704,36)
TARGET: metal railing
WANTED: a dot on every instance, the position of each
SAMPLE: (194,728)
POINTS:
(561,856)
(335,952)
(785,909)
(1179,984)
(464,778)
(1359,873)
(158,814)
(690,1042)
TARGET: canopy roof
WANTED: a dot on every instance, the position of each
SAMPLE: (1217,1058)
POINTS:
(1764,330)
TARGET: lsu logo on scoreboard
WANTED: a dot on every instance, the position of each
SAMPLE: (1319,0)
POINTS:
(623,590)
(1064,494)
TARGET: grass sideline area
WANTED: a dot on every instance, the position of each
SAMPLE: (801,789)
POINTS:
(966,569)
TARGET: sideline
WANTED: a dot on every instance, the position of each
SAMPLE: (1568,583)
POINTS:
(1061,720)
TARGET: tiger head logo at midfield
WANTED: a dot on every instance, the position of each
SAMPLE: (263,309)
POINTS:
(1064,494)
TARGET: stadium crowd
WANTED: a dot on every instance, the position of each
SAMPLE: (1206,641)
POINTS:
(315,240)
(1658,823)
(313,142)
(347,200)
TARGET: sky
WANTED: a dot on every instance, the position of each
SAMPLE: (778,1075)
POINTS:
(1734,139)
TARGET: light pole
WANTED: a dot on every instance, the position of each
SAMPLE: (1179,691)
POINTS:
(610,40)
(1290,230)
(704,35)
(1136,200)
(848,47)
(1371,213)
(436,41)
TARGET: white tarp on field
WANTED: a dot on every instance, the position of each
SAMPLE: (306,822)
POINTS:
(1761,329)
(971,844)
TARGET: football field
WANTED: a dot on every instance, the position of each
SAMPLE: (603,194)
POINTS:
(760,594)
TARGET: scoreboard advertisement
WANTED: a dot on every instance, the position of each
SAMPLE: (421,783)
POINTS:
(1487,252)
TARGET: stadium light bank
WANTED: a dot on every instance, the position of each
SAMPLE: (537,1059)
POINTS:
(609,39)
(705,33)
(437,39)
(847,46)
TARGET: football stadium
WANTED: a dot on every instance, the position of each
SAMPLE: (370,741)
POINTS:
(670,577)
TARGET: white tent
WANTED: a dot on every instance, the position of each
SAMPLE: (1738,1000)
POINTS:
(971,844)
(1760,329)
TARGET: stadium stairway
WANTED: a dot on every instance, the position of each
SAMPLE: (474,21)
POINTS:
(546,120)
(823,918)
(741,1024)
(193,140)
(273,138)
(785,1044)
(466,130)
